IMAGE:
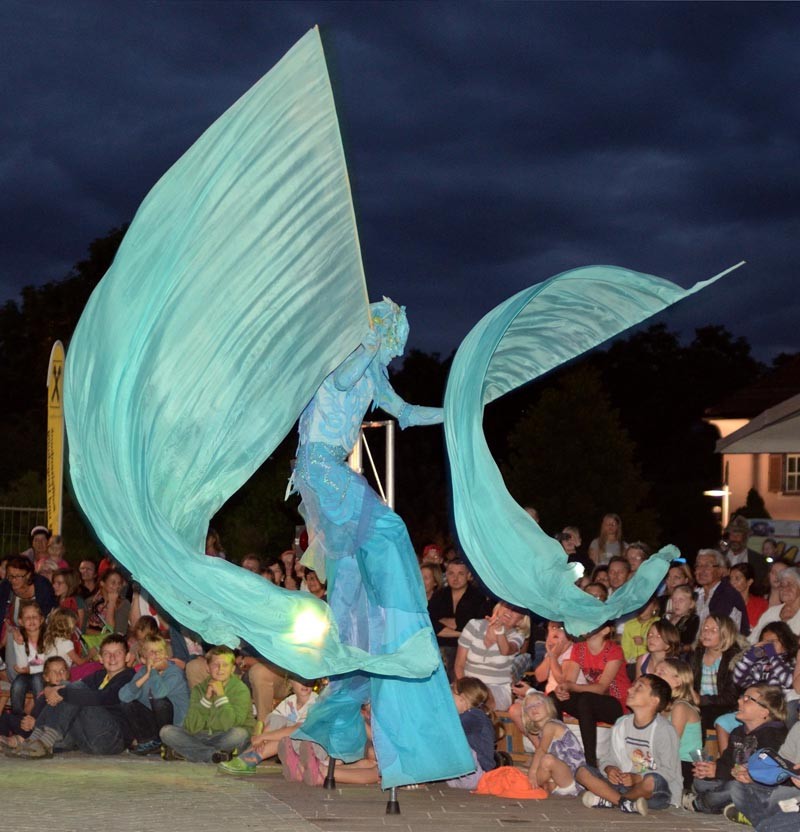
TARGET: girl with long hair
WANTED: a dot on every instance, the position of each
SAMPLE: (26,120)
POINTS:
(609,542)
(663,641)
(473,704)
(66,583)
(683,711)
(558,753)
(29,655)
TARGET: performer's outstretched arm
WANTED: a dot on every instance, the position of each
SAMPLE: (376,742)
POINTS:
(407,414)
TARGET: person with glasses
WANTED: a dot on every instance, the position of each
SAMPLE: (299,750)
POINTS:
(21,584)
(763,805)
(762,711)
(715,595)
(770,662)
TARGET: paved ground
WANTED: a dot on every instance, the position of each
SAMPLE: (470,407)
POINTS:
(75,793)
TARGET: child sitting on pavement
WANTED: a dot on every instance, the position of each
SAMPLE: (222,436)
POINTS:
(306,762)
(14,728)
(85,715)
(558,753)
(156,696)
(220,717)
(642,770)
(290,713)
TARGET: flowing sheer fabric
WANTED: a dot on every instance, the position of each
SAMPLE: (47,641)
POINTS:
(519,340)
(237,289)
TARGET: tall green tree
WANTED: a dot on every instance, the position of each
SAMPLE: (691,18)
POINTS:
(28,328)
(571,459)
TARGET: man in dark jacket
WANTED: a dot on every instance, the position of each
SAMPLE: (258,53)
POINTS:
(452,606)
(715,595)
(738,531)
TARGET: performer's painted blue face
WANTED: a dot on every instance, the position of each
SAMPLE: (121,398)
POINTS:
(391,323)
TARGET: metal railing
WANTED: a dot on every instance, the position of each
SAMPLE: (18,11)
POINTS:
(16,523)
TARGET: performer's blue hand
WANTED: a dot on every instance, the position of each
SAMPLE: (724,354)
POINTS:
(371,341)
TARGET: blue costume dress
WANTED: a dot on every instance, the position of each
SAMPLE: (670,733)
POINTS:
(374,586)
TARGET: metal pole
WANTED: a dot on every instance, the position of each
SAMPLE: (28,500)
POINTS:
(726,506)
(330,778)
(390,463)
(393,807)
(355,460)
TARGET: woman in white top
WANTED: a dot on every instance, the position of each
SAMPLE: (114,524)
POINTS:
(789,608)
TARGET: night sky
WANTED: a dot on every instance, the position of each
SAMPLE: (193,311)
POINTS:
(490,145)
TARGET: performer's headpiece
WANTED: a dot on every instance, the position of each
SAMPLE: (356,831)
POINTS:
(391,322)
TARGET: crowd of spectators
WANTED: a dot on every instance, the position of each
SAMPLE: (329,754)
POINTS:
(90,663)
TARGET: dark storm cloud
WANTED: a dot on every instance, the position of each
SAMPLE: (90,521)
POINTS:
(490,145)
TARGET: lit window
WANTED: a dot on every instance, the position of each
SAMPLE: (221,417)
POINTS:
(792,472)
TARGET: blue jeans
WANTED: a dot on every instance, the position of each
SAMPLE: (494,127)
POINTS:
(23,684)
(780,822)
(199,748)
(661,798)
(90,728)
(713,795)
(145,723)
(757,802)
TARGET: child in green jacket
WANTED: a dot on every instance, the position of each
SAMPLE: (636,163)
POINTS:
(220,717)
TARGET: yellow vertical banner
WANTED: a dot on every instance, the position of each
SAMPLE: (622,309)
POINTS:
(55,437)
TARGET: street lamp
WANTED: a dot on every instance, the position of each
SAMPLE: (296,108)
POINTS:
(725,494)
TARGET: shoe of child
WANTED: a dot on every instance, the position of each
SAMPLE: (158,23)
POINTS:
(291,767)
(312,770)
(733,814)
(237,766)
(33,750)
(145,748)
(171,755)
(594,801)
(687,801)
(633,807)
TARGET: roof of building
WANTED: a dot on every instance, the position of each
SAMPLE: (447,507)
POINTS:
(774,431)
(776,386)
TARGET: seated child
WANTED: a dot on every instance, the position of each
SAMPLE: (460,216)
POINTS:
(58,635)
(549,672)
(28,655)
(14,728)
(634,631)
(471,698)
(290,713)
(642,771)
(302,760)
(142,628)
(219,720)
(85,715)
(156,696)
(558,754)
(771,661)
(683,712)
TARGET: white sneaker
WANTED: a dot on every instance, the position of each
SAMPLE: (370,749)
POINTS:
(687,801)
(593,801)
(633,807)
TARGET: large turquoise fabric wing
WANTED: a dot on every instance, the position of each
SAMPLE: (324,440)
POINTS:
(237,289)
(528,335)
